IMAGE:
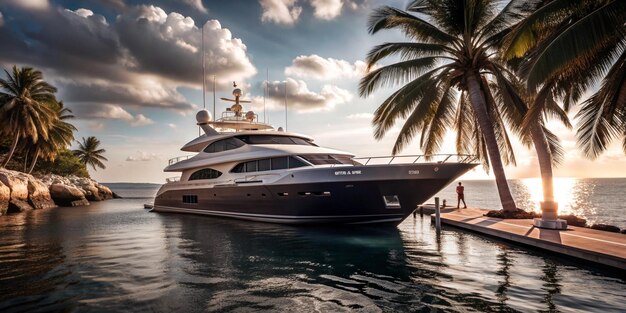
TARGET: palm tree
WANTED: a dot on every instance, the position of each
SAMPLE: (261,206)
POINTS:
(89,153)
(453,46)
(60,136)
(568,46)
(24,106)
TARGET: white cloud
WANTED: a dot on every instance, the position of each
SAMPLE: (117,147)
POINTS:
(302,99)
(327,9)
(141,120)
(361,116)
(171,125)
(196,4)
(110,111)
(314,66)
(140,59)
(30,4)
(284,12)
(142,156)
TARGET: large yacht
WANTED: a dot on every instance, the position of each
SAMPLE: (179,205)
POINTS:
(245,169)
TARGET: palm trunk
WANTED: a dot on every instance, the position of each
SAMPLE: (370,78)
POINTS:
(25,161)
(479,105)
(13,146)
(32,165)
(548,206)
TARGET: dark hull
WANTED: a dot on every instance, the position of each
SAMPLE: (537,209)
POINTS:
(343,202)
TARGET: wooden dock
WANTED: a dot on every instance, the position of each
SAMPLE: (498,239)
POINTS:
(601,247)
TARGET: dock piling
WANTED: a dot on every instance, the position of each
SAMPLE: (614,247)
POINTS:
(437,215)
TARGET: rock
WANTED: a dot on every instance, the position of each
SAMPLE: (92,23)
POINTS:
(91,192)
(517,214)
(38,194)
(104,192)
(5,197)
(605,227)
(18,184)
(573,220)
(64,195)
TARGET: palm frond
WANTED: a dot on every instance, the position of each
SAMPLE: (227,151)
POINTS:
(412,26)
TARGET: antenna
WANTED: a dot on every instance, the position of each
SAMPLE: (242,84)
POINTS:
(267,74)
(268,90)
(203,77)
(286,105)
(203,73)
(213,96)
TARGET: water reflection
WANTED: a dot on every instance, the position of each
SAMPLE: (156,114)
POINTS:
(114,256)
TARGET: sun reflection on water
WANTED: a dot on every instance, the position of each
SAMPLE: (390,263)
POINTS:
(572,195)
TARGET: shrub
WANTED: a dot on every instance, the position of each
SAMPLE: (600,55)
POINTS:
(605,227)
(66,163)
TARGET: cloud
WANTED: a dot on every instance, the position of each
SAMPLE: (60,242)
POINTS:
(141,156)
(155,39)
(30,4)
(139,59)
(359,116)
(326,9)
(284,12)
(109,111)
(196,4)
(172,126)
(302,99)
(314,66)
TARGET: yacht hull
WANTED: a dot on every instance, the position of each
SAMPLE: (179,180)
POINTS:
(341,201)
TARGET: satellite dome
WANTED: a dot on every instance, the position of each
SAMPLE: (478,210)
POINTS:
(237,92)
(280,129)
(203,117)
(250,116)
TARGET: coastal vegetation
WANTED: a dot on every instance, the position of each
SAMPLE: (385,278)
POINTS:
(36,129)
(90,153)
(477,71)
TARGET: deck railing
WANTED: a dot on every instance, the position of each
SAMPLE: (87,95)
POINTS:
(412,159)
(172,179)
(178,159)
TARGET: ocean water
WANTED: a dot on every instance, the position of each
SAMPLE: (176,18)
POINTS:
(114,256)
(599,200)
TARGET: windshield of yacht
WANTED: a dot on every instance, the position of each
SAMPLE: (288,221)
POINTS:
(274,140)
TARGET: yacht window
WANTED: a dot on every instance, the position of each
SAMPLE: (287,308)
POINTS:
(239,168)
(280,163)
(321,159)
(274,140)
(205,173)
(251,166)
(268,164)
(224,145)
(264,165)
(295,162)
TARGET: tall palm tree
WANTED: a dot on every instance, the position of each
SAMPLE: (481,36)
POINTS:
(24,106)
(60,136)
(89,152)
(568,47)
(453,46)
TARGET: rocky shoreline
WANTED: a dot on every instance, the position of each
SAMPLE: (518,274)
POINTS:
(20,192)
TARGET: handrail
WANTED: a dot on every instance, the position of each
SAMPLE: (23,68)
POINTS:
(461,158)
(178,159)
(172,179)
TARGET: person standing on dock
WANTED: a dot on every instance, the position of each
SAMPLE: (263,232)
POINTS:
(460,192)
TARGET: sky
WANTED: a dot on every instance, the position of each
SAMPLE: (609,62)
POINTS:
(131,71)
